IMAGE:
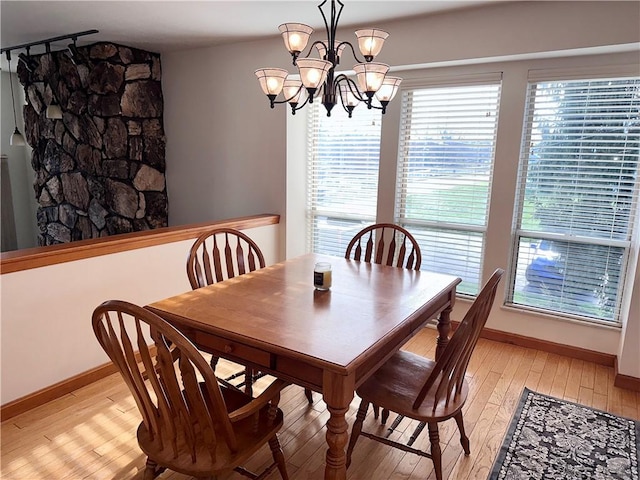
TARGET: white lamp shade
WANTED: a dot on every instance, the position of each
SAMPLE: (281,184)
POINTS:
(17,140)
(322,48)
(349,99)
(293,90)
(54,111)
(271,80)
(370,41)
(370,75)
(388,89)
(295,36)
(313,71)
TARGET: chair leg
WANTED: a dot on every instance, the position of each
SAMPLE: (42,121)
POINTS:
(152,470)
(248,381)
(436,453)
(464,440)
(385,416)
(278,457)
(376,411)
(213,362)
(309,394)
(356,429)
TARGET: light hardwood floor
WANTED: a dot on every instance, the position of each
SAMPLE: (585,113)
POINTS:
(90,433)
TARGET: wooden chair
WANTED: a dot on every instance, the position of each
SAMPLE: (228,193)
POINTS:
(220,254)
(189,423)
(387,244)
(215,256)
(424,390)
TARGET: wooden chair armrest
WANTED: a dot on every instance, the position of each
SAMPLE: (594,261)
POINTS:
(260,401)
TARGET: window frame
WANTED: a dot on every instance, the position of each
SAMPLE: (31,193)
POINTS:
(312,210)
(541,76)
(491,78)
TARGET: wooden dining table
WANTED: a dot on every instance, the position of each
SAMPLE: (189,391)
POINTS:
(274,320)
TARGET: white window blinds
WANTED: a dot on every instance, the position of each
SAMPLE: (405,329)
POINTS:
(342,179)
(445,164)
(578,194)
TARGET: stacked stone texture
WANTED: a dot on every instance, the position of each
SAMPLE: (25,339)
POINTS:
(100,170)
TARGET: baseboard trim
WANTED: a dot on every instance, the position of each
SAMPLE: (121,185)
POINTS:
(625,381)
(600,358)
(57,390)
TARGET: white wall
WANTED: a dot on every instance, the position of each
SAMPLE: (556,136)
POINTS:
(19,163)
(226,149)
(45,316)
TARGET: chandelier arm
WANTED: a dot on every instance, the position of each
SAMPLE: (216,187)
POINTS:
(317,42)
(352,86)
(277,102)
(353,51)
(298,107)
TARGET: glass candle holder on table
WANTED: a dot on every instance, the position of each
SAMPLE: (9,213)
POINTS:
(322,276)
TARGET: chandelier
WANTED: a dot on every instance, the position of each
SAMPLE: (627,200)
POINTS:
(317,76)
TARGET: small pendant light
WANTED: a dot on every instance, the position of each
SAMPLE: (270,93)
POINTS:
(16,140)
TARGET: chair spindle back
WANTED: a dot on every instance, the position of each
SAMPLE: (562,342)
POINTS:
(220,254)
(448,374)
(385,244)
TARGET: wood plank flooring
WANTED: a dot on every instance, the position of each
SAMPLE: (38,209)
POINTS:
(90,433)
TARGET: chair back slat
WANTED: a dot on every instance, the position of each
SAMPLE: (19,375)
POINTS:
(401,253)
(108,338)
(222,253)
(178,414)
(180,402)
(391,251)
(240,259)
(216,276)
(228,258)
(205,279)
(386,244)
(162,405)
(448,374)
(369,248)
(380,247)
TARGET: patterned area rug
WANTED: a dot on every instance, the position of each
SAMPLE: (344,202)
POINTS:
(552,439)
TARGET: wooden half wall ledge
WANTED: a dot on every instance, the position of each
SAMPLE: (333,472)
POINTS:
(29,258)
(65,387)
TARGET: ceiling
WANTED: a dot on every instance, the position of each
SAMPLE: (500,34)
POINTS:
(163,26)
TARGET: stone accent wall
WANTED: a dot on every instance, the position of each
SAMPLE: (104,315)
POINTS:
(100,170)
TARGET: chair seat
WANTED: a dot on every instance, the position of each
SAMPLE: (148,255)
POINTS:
(251,435)
(395,386)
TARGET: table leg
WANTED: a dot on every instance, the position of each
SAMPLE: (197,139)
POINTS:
(444,327)
(338,391)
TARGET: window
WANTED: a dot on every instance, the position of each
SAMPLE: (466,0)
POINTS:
(445,164)
(342,179)
(577,197)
